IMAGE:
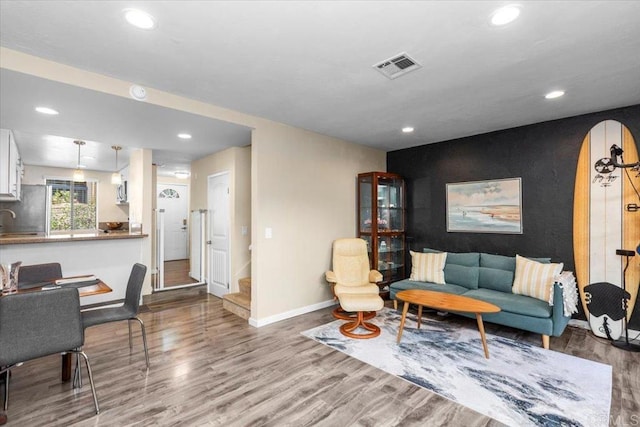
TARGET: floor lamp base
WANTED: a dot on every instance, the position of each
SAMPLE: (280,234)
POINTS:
(627,346)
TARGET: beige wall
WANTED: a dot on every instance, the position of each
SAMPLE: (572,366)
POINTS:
(304,189)
(140,194)
(302,186)
(108,210)
(237,162)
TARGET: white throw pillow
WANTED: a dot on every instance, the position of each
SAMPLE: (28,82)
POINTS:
(535,279)
(428,267)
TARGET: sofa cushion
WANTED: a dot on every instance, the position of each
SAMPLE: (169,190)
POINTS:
(467,259)
(461,275)
(427,286)
(460,268)
(535,279)
(495,279)
(512,303)
(500,262)
(497,271)
(428,267)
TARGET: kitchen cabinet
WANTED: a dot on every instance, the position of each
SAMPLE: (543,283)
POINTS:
(381,223)
(11,168)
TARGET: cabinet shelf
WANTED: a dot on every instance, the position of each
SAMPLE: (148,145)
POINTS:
(381,201)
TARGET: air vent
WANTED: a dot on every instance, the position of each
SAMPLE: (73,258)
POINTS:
(397,65)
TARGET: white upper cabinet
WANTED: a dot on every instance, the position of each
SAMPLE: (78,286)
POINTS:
(10,167)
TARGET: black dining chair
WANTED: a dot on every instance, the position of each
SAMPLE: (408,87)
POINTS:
(128,311)
(38,324)
(33,276)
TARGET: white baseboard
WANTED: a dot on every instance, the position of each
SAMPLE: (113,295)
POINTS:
(291,313)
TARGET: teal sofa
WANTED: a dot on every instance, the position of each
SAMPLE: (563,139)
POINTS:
(489,278)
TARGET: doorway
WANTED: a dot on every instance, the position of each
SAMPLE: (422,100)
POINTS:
(218,234)
(173,236)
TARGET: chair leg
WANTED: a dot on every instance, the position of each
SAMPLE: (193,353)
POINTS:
(6,389)
(93,387)
(144,339)
(77,374)
(130,337)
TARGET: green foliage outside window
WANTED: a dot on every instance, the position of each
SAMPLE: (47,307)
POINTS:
(84,213)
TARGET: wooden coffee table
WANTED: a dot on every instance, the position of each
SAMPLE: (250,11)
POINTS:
(446,302)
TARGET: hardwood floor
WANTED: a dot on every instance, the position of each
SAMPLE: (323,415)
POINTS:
(177,273)
(209,367)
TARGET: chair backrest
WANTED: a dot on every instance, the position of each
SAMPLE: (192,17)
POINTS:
(36,324)
(34,275)
(134,288)
(351,262)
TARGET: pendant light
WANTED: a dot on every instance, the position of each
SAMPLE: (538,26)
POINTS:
(116,177)
(78,174)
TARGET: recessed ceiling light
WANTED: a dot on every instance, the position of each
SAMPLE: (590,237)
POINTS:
(184,136)
(407,129)
(139,19)
(46,110)
(554,94)
(182,174)
(505,15)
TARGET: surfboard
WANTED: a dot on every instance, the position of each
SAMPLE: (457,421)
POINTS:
(602,222)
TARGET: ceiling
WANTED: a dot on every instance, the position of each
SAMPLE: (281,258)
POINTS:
(309,64)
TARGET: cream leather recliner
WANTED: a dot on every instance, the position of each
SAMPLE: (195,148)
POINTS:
(351,271)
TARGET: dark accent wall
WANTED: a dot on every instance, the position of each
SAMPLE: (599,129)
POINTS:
(544,155)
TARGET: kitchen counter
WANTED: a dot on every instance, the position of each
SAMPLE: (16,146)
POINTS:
(25,238)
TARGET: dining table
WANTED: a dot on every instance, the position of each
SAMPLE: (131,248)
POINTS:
(87,285)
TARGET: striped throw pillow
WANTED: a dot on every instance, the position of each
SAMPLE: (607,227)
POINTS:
(535,279)
(428,267)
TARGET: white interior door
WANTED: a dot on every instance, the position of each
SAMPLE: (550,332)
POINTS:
(173,199)
(218,236)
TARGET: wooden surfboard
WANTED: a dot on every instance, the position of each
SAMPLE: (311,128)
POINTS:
(601,222)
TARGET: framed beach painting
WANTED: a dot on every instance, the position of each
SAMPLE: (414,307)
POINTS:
(493,206)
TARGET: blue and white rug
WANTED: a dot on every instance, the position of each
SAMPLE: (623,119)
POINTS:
(519,385)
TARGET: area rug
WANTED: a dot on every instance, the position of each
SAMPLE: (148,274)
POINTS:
(519,385)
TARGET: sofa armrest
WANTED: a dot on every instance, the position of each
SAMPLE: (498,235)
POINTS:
(560,321)
(375,276)
(330,276)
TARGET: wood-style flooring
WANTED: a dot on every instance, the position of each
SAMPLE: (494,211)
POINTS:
(209,367)
(176,273)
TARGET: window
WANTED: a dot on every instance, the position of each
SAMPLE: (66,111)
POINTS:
(72,205)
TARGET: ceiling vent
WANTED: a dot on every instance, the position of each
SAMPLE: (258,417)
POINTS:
(397,65)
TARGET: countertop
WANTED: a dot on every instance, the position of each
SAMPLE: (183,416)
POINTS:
(19,239)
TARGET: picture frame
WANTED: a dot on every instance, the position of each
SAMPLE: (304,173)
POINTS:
(491,206)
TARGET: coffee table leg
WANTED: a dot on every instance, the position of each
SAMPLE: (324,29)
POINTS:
(419,315)
(482,335)
(405,309)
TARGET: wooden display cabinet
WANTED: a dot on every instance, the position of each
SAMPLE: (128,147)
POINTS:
(381,222)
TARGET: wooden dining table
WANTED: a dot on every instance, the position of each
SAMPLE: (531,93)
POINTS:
(85,291)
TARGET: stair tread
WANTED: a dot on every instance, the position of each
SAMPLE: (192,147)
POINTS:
(239,299)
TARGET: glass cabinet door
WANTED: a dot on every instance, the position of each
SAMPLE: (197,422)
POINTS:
(381,224)
(390,204)
(365,191)
(391,256)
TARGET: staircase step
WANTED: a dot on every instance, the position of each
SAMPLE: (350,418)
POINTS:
(245,286)
(238,304)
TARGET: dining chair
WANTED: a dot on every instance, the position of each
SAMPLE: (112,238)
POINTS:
(38,324)
(33,276)
(128,311)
